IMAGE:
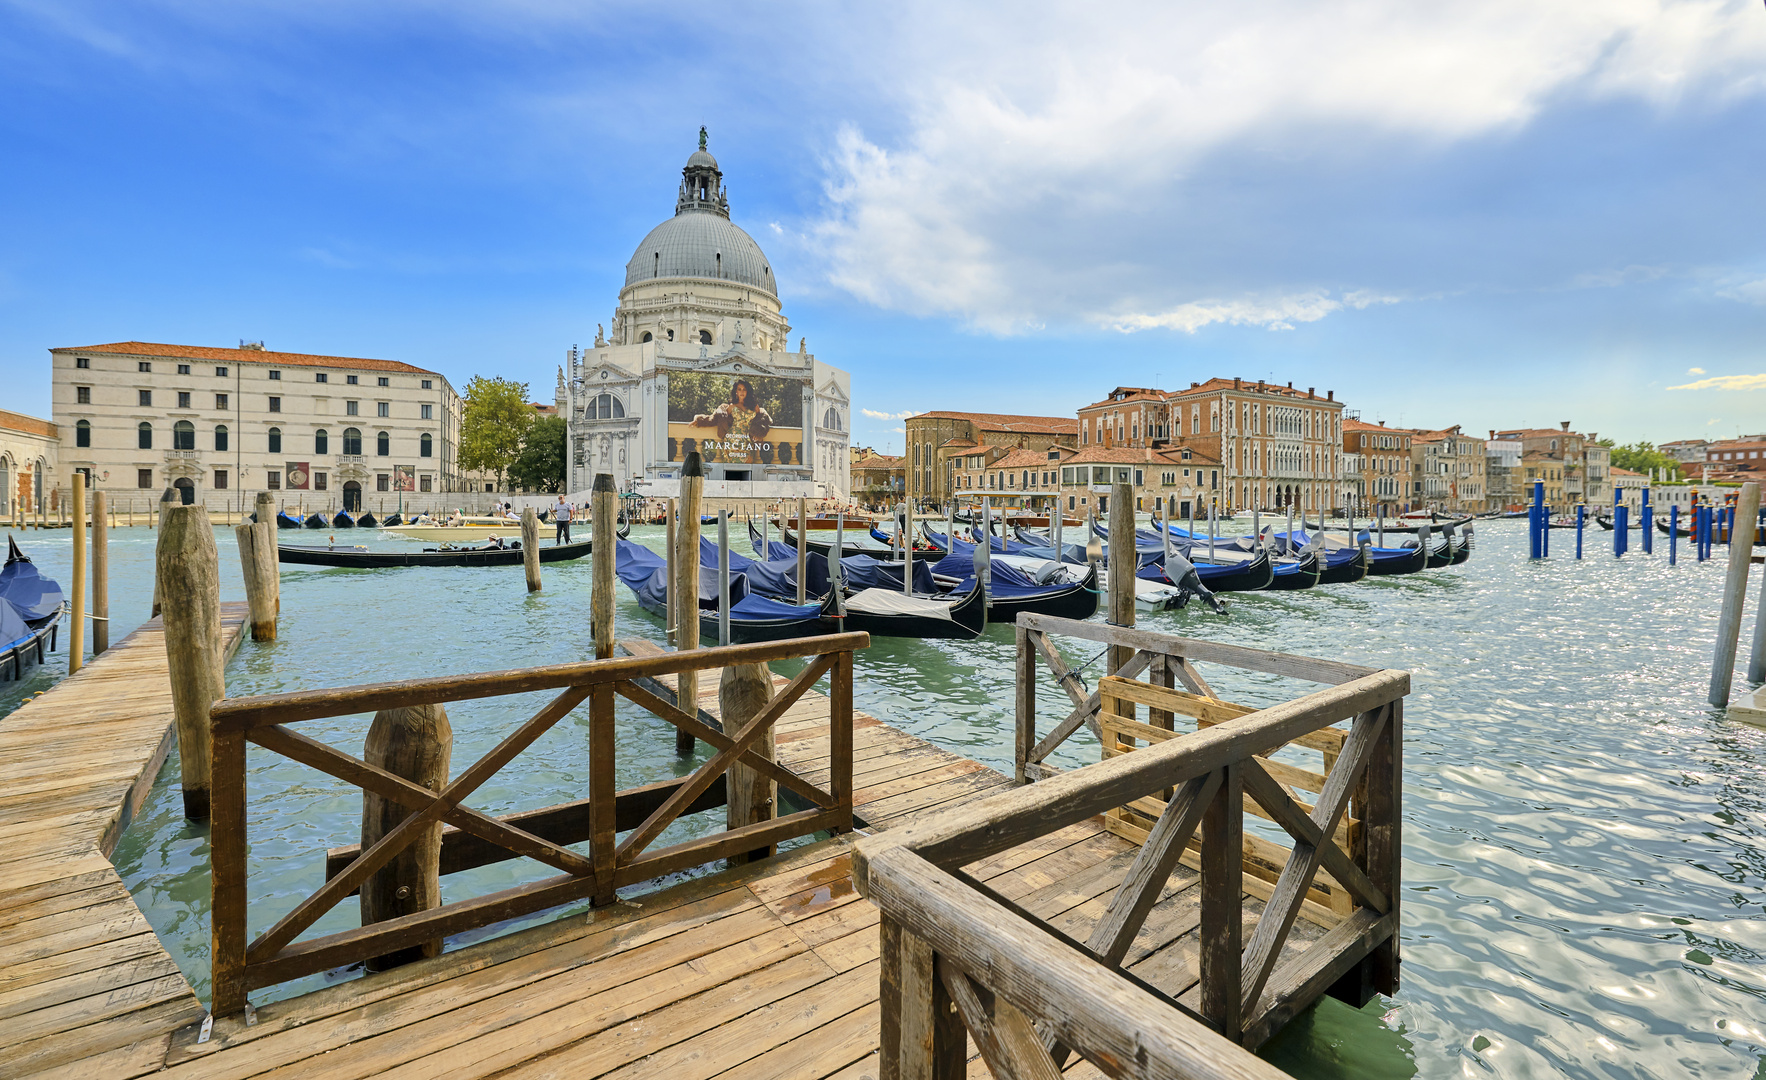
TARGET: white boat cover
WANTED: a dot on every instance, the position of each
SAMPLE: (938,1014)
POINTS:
(890,602)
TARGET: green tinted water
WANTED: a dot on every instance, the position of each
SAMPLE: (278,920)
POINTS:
(1585,840)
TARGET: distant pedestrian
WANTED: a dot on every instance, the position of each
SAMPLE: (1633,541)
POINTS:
(561,518)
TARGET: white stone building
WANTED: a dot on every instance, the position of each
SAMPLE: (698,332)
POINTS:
(28,453)
(699,359)
(220,424)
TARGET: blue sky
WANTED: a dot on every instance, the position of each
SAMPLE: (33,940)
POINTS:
(1493,214)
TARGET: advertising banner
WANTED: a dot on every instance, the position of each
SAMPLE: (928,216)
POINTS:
(404,478)
(735,419)
(295,475)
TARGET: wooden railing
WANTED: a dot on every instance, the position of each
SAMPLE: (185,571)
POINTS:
(478,838)
(958,956)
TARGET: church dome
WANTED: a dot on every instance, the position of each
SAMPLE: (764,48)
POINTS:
(701,241)
(701,159)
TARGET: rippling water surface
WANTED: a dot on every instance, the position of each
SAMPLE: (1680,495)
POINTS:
(1585,842)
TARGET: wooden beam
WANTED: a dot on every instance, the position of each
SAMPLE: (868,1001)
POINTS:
(1004,1036)
(1298,667)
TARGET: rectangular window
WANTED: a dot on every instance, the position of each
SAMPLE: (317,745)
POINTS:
(1138,481)
(83,395)
(275,404)
(423,484)
(383,381)
(273,479)
(82,362)
(142,365)
(143,478)
(383,408)
(350,408)
(274,374)
(350,379)
(1069,502)
(321,377)
(183,369)
(144,398)
(320,481)
(220,373)
(221,401)
(428,413)
(427,386)
(382,482)
(183,399)
(220,479)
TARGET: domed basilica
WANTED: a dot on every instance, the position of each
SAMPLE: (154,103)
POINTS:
(698,359)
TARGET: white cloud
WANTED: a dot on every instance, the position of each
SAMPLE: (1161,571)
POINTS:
(1748,292)
(1695,371)
(1036,170)
(875,415)
(1725,382)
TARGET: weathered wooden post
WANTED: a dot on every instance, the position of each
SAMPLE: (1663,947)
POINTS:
(413,743)
(266,512)
(803,550)
(604,505)
(189,583)
(1735,589)
(1757,659)
(165,501)
(100,575)
(530,547)
(671,617)
(76,632)
(907,548)
(1122,568)
(723,577)
(744,691)
(686,589)
(258,590)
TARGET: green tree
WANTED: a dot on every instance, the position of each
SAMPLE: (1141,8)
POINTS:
(540,467)
(494,426)
(1639,457)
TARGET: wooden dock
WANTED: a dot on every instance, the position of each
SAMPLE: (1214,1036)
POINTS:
(768,970)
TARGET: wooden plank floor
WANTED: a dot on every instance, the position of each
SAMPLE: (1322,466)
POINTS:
(81,972)
(766,971)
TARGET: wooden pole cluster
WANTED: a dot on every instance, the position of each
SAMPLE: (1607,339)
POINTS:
(604,511)
(100,576)
(414,743)
(189,583)
(530,547)
(686,588)
(76,633)
(1735,589)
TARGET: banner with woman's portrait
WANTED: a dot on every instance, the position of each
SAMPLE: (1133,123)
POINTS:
(735,419)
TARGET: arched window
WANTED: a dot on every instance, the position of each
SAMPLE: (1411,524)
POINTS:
(426,446)
(83,433)
(275,440)
(705,337)
(383,444)
(644,337)
(220,436)
(607,407)
(321,442)
(183,435)
(352,440)
(144,436)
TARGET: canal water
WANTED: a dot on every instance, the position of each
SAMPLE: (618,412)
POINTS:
(1585,840)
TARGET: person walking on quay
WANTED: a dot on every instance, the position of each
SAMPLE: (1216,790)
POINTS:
(561,518)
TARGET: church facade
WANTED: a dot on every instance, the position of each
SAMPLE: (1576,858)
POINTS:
(699,359)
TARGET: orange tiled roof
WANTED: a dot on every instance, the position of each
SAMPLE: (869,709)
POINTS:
(1214,386)
(1050,425)
(880,461)
(243,356)
(1134,393)
(1023,459)
(29,425)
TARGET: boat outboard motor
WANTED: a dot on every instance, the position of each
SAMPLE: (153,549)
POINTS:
(1179,570)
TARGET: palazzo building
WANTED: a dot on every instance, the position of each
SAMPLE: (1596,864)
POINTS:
(699,358)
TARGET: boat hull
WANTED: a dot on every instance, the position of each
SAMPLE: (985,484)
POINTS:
(968,618)
(1078,601)
(454,534)
(1345,572)
(381,560)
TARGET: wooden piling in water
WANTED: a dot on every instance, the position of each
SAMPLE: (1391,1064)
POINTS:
(530,547)
(686,588)
(803,550)
(189,582)
(1122,568)
(414,743)
(604,525)
(266,512)
(76,631)
(1735,589)
(671,515)
(258,594)
(100,575)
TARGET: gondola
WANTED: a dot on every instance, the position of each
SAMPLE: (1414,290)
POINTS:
(888,613)
(285,520)
(1343,566)
(1441,556)
(31,607)
(1078,600)
(343,520)
(1390,562)
(752,617)
(358,558)
(1662,524)
(368,521)
(849,545)
(315,520)
(1300,573)
(394,518)
(1249,576)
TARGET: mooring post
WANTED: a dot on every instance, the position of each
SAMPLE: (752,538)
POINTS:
(267,544)
(1618,522)
(1122,568)
(742,692)
(100,575)
(604,506)
(1757,658)
(258,591)
(687,589)
(1649,524)
(671,617)
(530,547)
(189,581)
(412,743)
(723,577)
(76,631)
(907,548)
(803,551)
(1673,534)
(1735,589)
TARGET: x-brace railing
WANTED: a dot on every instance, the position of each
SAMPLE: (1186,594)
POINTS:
(643,814)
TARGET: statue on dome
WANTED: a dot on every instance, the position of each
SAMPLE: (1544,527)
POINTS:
(802,346)
(600,336)
(701,136)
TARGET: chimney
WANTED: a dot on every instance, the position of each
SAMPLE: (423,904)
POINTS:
(1565,424)
(1493,433)
(1382,423)
(1193,385)
(1310,393)
(1330,395)
(1235,382)
(1290,384)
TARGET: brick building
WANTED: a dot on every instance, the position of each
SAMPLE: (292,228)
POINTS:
(936,440)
